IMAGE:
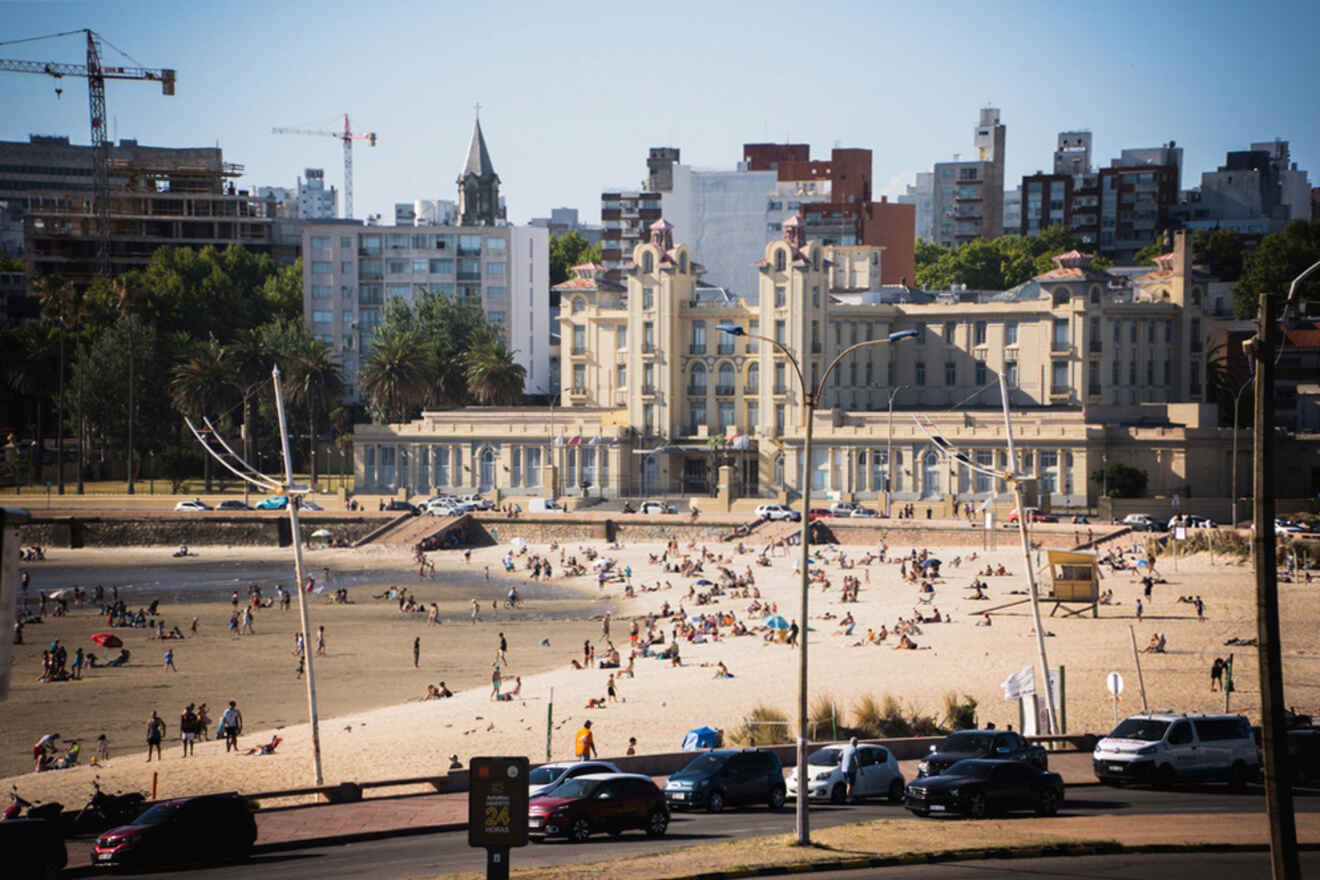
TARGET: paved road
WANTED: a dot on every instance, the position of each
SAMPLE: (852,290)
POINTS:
(434,854)
(1203,866)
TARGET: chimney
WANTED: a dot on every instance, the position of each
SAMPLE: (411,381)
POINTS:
(1182,253)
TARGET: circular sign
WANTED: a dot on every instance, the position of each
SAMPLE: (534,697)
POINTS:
(513,768)
(1114,684)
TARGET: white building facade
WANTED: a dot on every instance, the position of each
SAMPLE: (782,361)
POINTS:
(315,201)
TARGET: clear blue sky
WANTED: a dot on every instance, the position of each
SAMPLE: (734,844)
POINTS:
(573,94)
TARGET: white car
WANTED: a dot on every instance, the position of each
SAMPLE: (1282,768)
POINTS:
(877,775)
(477,502)
(1191,521)
(193,506)
(1288,527)
(442,508)
(1170,747)
(773,512)
(842,508)
(543,778)
(863,513)
(651,508)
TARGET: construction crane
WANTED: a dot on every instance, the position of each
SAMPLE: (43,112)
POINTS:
(96,74)
(347,137)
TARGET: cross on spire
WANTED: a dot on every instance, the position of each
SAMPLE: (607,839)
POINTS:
(477,109)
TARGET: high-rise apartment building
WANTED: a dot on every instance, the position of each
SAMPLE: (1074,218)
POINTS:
(967,196)
(315,202)
(1255,192)
(625,216)
(921,195)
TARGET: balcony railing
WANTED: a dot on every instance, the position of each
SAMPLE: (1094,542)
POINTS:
(697,348)
(1060,390)
(648,348)
(579,349)
(578,391)
(725,348)
(724,390)
(752,388)
(648,389)
(1097,346)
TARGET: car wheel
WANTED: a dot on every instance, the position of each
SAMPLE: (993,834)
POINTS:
(581,830)
(1049,803)
(838,793)
(1164,776)
(1237,777)
(777,795)
(657,824)
(922,813)
(715,803)
(896,791)
(977,807)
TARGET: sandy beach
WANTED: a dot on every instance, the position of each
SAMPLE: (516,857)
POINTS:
(374,727)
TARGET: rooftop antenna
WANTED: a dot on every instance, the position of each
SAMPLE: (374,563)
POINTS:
(1014,481)
(236,465)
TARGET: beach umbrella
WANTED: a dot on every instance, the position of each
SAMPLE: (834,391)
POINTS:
(59,594)
(776,622)
(108,640)
(703,582)
(322,533)
(930,563)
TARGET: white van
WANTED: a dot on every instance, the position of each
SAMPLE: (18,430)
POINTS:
(544,505)
(1165,748)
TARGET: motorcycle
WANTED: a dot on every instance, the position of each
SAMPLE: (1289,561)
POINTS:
(17,804)
(104,810)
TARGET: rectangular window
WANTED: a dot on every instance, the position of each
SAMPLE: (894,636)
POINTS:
(1118,331)
(981,373)
(396,267)
(950,373)
(1168,331)
(1010,333)
(621,336)
(1093,378)
(648,297)
(580,378)
(781,296)
(725,414)
(399,242)
(780,411)
(320,241)
(496,317)
(648,378)
(1011,374)
(696,414)
(495,244)
(323,317)
(499,294)
(1150,373)
(1194,343)
(949,328)
(1167,371)
(1060,334)
(321,267)
(921,373)
(1150,331)
(1132,331)
(444,266)
(469,270)
(370,269)
(495,268)
(421,266)
(458,467)
(322,291)
(781,332)
(346,242)
(921,334)
(648,337)
(621,376)
(441,459)
(781,374)
(985,458)
(370,465)
(588,465)
(387,455)
(469,245)
(579,339)
(698,337)
(753,329)
(570,467)
(978,336)
(516,465)
(753,416)
(1114,378)
(1132,372)
(398,291)
(533,465)
(371,245)
(345,267)
(1059,376)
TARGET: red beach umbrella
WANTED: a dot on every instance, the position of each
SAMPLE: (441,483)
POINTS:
(108,640)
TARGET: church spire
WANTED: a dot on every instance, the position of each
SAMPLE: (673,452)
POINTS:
(478,184)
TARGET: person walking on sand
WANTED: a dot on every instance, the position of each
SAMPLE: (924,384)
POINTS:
(584,745)
(501,655)
(476,611)
(1200,609)
(1139,610)
(155,733)
(188,730)
(1217,675)
(605,626)
(610,693)
(417,651)
(320,640)
(231,725)
(495,682)
(169,660)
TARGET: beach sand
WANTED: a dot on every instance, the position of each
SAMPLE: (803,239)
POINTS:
(373,728)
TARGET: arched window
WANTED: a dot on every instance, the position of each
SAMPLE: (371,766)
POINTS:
(487,470)
(754,378)
(579,304)
(724,384)
(648,262)
(698,378)
(682,262)
(781,260)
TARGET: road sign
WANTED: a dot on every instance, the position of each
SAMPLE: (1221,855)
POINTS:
(1114,684)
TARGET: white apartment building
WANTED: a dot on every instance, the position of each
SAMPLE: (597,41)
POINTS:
(315,202)
(350,272)
(922,195)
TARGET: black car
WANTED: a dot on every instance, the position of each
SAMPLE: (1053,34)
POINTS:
(981,744)
(232,504)
(182,830)
(982,787)
(729,777)
(399,506)
(33,848)
(1304,754)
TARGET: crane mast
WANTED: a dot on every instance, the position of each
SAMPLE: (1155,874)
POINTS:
(347,137)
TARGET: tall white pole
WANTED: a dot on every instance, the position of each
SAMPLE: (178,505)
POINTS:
(294,501)
(1044,680)
(803,811)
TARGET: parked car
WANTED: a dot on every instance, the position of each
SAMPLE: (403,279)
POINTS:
(842,508)
(1035,515)
(477,502)
(777,512)
(274,502)
(964,744)
(546,776)
(441,508)
(651,508)
(1143,522)
(599,802)
(1165,748)
(193,506)
(397,505)
(309,504)
(864,513)
(877,775)
(980,787)
(192,829)
(544,505)
(819,513)
(1288,527)
(33,848)
(232,504)
(729,777)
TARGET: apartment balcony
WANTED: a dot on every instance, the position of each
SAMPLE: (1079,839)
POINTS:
(724,391)
(579,351)
(694,348)
(1097,346)
(725,348)
(751,389)
(1061,348)
(1060,391)
(648,348)
(621,397)
(578,391)
(780,391)
(696,391)
(648,391)
(816,348)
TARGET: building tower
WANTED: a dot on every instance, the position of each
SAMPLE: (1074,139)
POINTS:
(989,142)
(478,185)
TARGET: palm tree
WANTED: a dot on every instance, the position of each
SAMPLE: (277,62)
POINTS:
(394,374)
(196,382)
(492,374)
(316,381)
(130,300)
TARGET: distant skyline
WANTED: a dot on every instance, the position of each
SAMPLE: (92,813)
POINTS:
(572,96)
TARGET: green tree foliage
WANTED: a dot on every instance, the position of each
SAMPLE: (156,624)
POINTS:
(1275,262)
(569,250)
(1221,251)
(993,264)
(1119,480)
(394,375)
(492,374)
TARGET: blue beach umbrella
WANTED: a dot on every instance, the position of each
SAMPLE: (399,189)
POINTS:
(776,621)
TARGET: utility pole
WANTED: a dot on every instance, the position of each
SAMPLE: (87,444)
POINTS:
(1284,864)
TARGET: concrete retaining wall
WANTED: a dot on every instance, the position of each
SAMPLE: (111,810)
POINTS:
(244,529)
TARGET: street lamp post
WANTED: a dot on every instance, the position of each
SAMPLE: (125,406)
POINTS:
(1237,399)
(889,455)
(810,397)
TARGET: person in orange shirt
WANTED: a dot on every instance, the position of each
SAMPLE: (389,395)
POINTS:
(584,746)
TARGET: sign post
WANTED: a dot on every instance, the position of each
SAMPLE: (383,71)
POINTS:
(497,809)
(1114,684)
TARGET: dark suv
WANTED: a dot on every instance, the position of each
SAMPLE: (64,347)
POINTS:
(193,829)
(964,744)
(728,776)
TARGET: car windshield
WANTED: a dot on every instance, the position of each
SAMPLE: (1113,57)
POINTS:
(975,769)
(826,757)
(708,763)
(966,742)
(158,814)
(545,775)
(1146,729)
(576,788)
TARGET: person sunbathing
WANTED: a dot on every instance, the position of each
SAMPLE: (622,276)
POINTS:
(268,749)
(905,644)
(985,620)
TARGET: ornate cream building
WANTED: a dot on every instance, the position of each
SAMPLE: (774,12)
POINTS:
(657,400)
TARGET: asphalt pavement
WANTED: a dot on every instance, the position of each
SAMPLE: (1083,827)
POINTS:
(435,854)
(1135,866)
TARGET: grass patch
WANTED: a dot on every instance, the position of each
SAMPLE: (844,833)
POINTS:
(763,726)
(959,715)
(825,716)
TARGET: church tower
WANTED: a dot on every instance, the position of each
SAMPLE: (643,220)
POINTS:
(478,185)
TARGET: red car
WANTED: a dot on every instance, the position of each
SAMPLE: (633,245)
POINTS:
(1034,514)
(180,831)
(596,803)
(819,513)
